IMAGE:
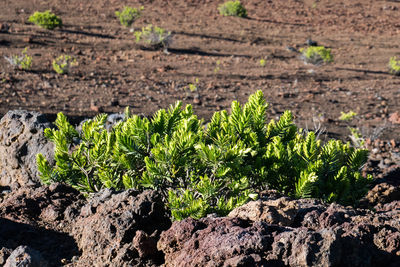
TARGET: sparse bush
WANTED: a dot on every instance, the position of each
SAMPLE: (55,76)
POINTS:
(63,63)
(394,66)
(316,55)
(45,20)
(193,86)
(263,62)
(128,15)
(347,116)
(201,170)
(217,66)
(22,62)
(356,137)
(154,36)
(233,8)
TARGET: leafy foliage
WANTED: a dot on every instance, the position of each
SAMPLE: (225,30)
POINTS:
(233,8)
(394,66)
(128,15)
(154,36)
(202,169)
(63,63)
(347,116)
(22,62)
(45,20)
(316,55)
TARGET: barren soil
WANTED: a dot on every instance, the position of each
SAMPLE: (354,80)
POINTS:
(223,53)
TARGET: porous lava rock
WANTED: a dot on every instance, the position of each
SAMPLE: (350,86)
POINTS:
(21,138)
(55,206)
(24,256)
(39,219)
(281,211)
(318,234)
(216,242)
(121,229)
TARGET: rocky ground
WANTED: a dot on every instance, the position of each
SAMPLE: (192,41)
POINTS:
(223,53)
(57,226)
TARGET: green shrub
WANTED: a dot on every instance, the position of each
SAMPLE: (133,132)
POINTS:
(63,63)
(154,36)
(316,55)
(128,15)
(394,66)
(347,116)
(45,20)
(233,8)
(22,62)
(205,169)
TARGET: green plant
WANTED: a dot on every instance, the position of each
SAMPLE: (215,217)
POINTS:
(356,137)
(205,169)
(128,15)
(316,55)
(217,66)
(193,86)
(394,66)
(154,36)
(45,20)
(263,62)
(233,8)
(62,64)
(347,116)
(22,62)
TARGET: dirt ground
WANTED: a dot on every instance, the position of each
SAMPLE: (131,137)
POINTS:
(223,53)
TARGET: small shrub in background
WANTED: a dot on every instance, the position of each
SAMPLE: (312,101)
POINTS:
(263,62)
(128,15)
(154,36)
(233,8)
(394,66)
(205,169)
(22,61)
(193,86)
(217,66)
(316,55)
(63,63)
(45,20)
(356,137)
(347,116)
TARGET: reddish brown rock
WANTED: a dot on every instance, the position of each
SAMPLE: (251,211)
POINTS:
(281,211)
(121,229)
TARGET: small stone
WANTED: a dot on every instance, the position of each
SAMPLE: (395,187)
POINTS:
(395,118)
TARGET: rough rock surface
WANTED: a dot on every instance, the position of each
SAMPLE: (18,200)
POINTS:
(121,229)
(110,229)
(40,218)
(55,206)
(281,211)
(21,138)
(24,256)
(319,235)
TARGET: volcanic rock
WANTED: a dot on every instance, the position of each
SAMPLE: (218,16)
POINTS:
(121,229)
(21,138)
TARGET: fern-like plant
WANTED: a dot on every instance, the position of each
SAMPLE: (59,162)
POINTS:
(201,170)
(45,20)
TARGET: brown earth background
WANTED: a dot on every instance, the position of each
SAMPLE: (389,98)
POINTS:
(223,53)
